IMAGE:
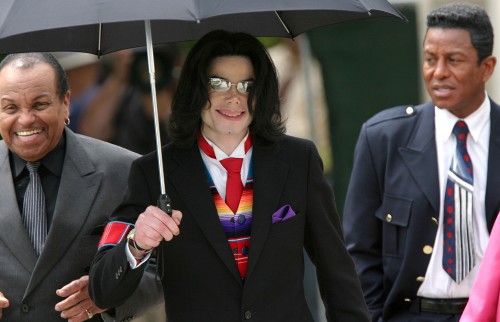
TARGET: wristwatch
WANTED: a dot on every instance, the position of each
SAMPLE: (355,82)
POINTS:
(131,242)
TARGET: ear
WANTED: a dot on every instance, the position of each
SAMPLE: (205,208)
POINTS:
(488,65)
(66,102)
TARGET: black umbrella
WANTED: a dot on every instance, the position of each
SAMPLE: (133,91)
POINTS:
(104,26)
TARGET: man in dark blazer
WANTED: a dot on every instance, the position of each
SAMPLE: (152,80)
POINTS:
(82,179)
(230,262)
(393,217)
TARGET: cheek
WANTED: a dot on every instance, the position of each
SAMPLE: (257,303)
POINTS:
(5,125)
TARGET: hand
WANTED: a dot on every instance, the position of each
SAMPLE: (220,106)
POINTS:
(4,303)
(154,225)
(77,306)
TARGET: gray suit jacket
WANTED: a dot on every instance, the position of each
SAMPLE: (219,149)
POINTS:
(396,172)
(93,179)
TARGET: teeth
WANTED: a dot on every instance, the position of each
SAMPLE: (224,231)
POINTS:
(231,115)
(28,133)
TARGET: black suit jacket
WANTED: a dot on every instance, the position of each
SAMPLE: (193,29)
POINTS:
(201,280)
(392,206)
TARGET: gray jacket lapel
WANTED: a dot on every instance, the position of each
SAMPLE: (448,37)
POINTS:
(14,234)
(77,190)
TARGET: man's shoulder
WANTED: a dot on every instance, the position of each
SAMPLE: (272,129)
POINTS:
(102,148)
(401,114)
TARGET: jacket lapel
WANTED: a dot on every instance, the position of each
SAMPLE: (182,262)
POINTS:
(421,150)
(492,198)
(270,175)
(77,190)
(11,218)
(188,176)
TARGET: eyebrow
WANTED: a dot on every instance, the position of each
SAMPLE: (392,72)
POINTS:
(243,80)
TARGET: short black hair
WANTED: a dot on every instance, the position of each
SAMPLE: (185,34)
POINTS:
(192,90)
(466,16)
(31,59)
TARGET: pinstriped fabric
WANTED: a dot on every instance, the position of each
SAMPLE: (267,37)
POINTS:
(34,217)
(458,242)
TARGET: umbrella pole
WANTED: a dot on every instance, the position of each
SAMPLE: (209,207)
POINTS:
(164,200)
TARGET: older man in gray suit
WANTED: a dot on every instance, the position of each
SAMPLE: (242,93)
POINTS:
(44,276)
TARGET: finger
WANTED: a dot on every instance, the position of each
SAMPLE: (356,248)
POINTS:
(73,286)
(177,216)
(76,297)
(87,314)
(77,311)
(4,302)
(154,225)
(166,225)
(173,224)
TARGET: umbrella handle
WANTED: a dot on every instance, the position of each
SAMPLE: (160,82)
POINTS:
(164,203)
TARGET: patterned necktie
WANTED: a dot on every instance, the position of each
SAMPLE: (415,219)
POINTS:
(458,238)
(34,216)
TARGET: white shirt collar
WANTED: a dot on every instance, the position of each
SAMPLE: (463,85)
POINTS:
(239,152)
(445,121)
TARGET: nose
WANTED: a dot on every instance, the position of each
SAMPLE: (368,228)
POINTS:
(232,95)
(442,70)
(27,117)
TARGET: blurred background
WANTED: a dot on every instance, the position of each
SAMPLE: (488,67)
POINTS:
(332,80)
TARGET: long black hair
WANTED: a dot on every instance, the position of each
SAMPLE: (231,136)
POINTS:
(192,91)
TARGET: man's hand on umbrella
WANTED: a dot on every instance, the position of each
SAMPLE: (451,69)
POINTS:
(154,225)
(77,306)
(4,303)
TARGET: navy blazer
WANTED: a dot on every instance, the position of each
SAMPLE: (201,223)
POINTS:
(201,281)
(392,206)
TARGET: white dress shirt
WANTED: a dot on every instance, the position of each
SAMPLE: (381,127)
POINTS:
(437,283)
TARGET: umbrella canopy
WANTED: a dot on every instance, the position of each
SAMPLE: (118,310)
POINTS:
(104,26)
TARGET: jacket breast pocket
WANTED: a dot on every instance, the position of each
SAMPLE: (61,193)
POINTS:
(395,213)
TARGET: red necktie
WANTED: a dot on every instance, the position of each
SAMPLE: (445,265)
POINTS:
(234,186)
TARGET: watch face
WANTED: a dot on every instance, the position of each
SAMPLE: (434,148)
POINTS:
(131,235)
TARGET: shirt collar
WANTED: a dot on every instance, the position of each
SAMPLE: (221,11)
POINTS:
(53,161)
(445,121)
(239,152)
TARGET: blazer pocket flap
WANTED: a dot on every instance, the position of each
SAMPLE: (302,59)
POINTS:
(395,210)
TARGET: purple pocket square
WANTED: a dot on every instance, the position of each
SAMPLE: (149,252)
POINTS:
(284,213)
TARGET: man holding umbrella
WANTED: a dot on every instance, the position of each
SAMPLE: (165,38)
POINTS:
(233,247)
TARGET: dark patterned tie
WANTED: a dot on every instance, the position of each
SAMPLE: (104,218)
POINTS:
(458,239)
(34,216)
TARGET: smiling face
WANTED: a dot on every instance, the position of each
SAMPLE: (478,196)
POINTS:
(31,113)
(226,117)
(453,78)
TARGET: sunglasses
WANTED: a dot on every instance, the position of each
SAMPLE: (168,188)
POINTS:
(220,84)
